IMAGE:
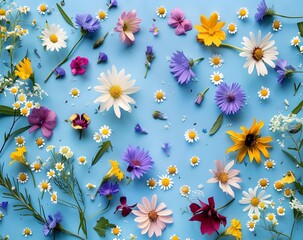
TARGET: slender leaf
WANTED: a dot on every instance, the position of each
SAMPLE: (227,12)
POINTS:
(104,148)
(8,111)
(298,108)
(65,16)
(216,125)
(20,130)
(300,27)
(102,225)
(301,144)
(291,148)
(291,157)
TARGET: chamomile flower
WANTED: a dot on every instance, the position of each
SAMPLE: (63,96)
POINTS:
(3,14)
(251,225)
(74,92)
(53,38)
(172,170)
(151,183)
(82,160)
(102,15)
(174,237)
(97,137)
(216,78)
(216,61)
(191,135)
(159,96)
(263,183)
(20,141)
(29,104)
(14,90)
(16,105)
(44,186)
(36,166)
(40,142)
(254,216)
(105,131)
(42,8)
(51,173)
(269,164)
(116,231)
(34,22)
(295,41)
(165,182)
(185,190)
(1,215)
(278,185)
(288,192)
(24,111)
(49,148)
(243,13)
(271,217)
(54,197)
(280,211)
(276,25)
(24,9)
(27,232)
(90,186)
(161,12)
(69,154)
(232,28)
(59,166)
(264,93)
(22,177)
(63,150)
(21,98)
(194,161)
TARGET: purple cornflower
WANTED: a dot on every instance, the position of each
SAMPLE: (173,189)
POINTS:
(154,29)
(149,58)
(60,72)
(124,207)
(87,22)
(139,161)
(165,147)
(139,129)
(108,189)
(51,223)
(4,205)
(102,57)
(229,98)
(112,3)
(262,11)
(284,70)
(181,66)
(42,118)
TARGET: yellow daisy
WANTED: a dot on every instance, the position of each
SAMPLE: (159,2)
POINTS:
(24,69)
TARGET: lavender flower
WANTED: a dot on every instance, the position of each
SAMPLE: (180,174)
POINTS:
(108,189)
(139,161)
(154,29)
(229,98)
(125,209)
(262,11)
(181,67)
(102,57)
(149,58)
(87,22)
(51,223)
(60,72)
(165,147)
(112,3)
(139,129)
(284,70)
(200,97)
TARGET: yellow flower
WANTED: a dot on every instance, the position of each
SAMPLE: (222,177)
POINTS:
(210,30)
(18,155)
(115,171)
(235,229)
(289,178)
(24,69)
(251,142)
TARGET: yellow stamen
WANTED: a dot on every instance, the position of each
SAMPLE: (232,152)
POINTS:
(115,91)
(53,38)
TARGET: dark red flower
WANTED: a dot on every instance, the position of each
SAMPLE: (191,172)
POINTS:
(208,216)
(124,207)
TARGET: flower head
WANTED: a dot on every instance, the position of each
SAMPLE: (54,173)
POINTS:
(87,22)
(139,129)
(178,22)
(51,224)
(263,11)
(108,189)
(152,219)
(53,37)
(115,89)
(112,3)
(257,51)
(149,58)
(235,229)
(208,216)
(42,118)
(139,161)
(191,135)
(154,29)
(24,69)
(4,205)
(251,142)
(127,25)
(125,209)
(79,122)
(210,32)
(78,65)
(229,98)
(60,72)
(18,155)
(102,58)
(284,70)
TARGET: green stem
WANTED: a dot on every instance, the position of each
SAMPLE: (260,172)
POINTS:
(102,210)
(70,233)
(297,147)
(225,204)
(292,228)
(284,16)
(202,93)
(231,46)
(297,72)
(146,72)
(31,172)
(65,59)
(199,59)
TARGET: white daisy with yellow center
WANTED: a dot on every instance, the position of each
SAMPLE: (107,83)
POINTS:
(27,232)
(16,105)
(263,183)
(74,92)
(53,38)
(288,192)
(159,96)
(82,160)
(269,164)
(24,9)
(165,182)
(54,197)
(172,170)
(251,225)
(40,142)
(276,25)
(36,166)
(21,98)
(3,14)
(59,166)
(22,177)
(97,137)
(216,78)
(295,41)
(216,61)
(280,211)
(194,161)
(44,186)
(63,150)
(116,231)
(161,12)
(264,93)
(278,185)
(42,8)
(102,15)
(191,135)
(232,28)
(24,111)
(254,217)
(20,141)
(271,217)
(105,131)
(51,174)
(174,237)
(50,148)
(29,104)
(243,13)
(14,90)
(151,183)
(185,190)
(90,186)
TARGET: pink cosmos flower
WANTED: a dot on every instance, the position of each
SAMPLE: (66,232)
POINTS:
(152,218)
(178,22)
(127,25)
(78,65)
(226,177)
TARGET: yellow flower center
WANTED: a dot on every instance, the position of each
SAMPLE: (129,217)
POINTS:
(115,91)
(37,166)
(27,231)
(102,15)
(217,78)
(269,164)
(279,185)
(264,92)
(175,238)
(74,92)
(257,54)
(14,90)
(53,38)
(281,210)
(82,159)
(21,98)
(270,217)
(23,177)
(251,224)
(59,166)
(185,190)
(152,183)
(29,104)
(243,12)
(223,177)
(263,183)
(153,216)
(296,41)
(16,105)
(44,185)
(172,170)
(191,134)
(287,192)
(194,160)
(54,197)
(24,111)
(159,95)
(231,27)
(116,231)
(165,182)
(254,201)
(2,12)
(64,150)
(105,131)
(39,141)
(20,140)
(255,217)
(276,24)
(43,8)
(216,60)
(161,10)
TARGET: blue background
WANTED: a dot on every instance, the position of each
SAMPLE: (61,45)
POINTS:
(179,103)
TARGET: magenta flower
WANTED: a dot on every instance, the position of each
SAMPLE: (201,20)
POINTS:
(178,22)
(127,25)
(78,65)
(42,118)
(125,209)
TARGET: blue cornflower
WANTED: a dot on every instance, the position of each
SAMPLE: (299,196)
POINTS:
(165,147)
(108,189)
(87,22)
(284,70)
(60,72)
(139,129)
(102,57)
(51,223)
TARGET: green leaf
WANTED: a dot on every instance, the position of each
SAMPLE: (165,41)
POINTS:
(102,225)
(104,148)
(301,144)
(299,187)
(18,131)
(300,27)
(8,111)
(65,16)
(298,108)
(216,125)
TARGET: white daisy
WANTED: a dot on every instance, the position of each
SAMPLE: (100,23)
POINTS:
(20,141)
(280,211)
(36,166)
(102,15)
(216,78)
(276,25)
(194,161)
(115,88)
(27,232)
(44,186)
(24,9)
(51,174)
(216,61)
(74,92)
(151,183)
(251,225)
(53,37)
(3,14)
(59,166)
(97,137)
(90,186)
(82,160)
(271,217)
(185,190)
(161,12)
(105,131)
(54,197)
(264,93)
(191,135)
(165,182)
(232,28)
(257,51)
(242,13)
(116,231)
(22,177)
(253,199)
(295,41)
(42,8)
(254,217)
(64,150)
(159,96)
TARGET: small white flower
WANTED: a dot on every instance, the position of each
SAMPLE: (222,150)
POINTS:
(53,38)
(191,135)
(216,78)
(264,93)
(27,232)
(44,186)
(42,8)
(194,161)
(185,190)
(151,183)
(102,15)
(105,131)
(59,166)
(232,28)
(161,12)
(82,160)
(97,137)
(90,186)
(295,41)
(165,182)
(159,96)
(216,61)
(276,25)
(243,13)
(51,174)
(54,197)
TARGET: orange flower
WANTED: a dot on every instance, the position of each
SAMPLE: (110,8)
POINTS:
(210,30)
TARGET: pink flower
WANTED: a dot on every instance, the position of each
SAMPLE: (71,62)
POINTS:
(78,65)
(127,25)
(226,177)
(178,22)
(152,218)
